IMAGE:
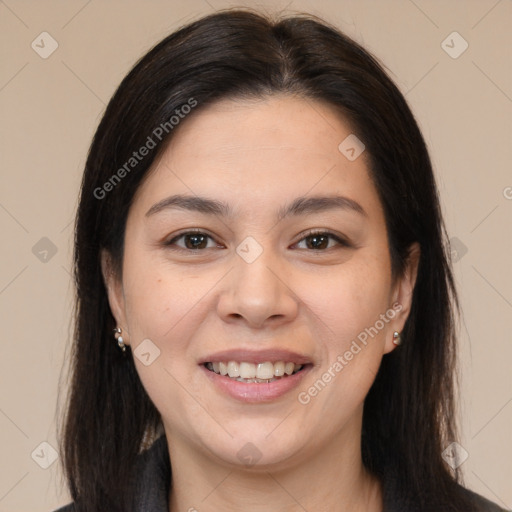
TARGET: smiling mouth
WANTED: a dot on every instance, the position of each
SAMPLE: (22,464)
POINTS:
(254,372)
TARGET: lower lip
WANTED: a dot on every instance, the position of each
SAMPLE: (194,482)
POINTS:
(256,392)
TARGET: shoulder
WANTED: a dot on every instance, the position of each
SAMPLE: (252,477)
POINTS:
(397,499)
(152,473)
(67,508)
(482,504)
(153,476)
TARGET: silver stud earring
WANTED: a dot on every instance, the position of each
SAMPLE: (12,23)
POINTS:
(119,338)
(396,338)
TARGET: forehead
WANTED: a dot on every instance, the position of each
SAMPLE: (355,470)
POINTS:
(278,123)
(260,151)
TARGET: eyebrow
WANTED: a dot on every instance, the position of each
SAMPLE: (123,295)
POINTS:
(300,206)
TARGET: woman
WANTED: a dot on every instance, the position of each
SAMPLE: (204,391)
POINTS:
(265,305)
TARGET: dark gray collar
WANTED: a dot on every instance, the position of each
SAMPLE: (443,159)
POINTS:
(153,477)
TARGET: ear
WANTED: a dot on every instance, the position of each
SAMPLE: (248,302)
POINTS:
(115,293)
(402,294)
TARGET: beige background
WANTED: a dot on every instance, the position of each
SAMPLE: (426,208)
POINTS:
(50,108)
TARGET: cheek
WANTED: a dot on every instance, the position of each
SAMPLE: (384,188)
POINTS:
(351,300)
(162,298)
(166,305)
(355,333)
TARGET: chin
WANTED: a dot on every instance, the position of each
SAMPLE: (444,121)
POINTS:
(259,451)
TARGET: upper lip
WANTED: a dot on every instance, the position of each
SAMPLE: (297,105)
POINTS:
(256,356)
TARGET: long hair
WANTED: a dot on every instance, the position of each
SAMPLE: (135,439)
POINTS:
(409,411)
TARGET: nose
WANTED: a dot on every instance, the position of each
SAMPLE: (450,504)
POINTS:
(257,294)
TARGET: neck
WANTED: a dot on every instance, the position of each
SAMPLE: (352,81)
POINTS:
(330,478)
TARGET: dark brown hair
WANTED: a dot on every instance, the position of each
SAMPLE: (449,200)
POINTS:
(409,411)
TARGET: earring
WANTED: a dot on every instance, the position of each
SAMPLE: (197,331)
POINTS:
(396,338)
(119,338)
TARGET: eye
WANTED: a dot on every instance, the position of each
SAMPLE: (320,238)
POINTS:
(321,240)
(193,241)
(198,240)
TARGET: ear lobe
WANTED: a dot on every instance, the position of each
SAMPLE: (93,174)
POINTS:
(403,293)
(114,289)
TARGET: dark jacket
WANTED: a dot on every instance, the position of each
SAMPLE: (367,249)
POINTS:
(154,476)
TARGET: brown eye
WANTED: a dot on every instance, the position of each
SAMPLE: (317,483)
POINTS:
(196,241)
(321,240)
(317,242)
(193,241)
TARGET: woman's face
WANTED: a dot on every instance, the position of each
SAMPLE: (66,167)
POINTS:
(252,286)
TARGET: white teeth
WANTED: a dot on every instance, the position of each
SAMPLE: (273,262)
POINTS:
(279,369)
(247,370)
(288,368)
(250,372)
(233,370)
(265,370)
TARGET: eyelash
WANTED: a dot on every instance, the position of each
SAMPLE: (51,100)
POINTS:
(340,241)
